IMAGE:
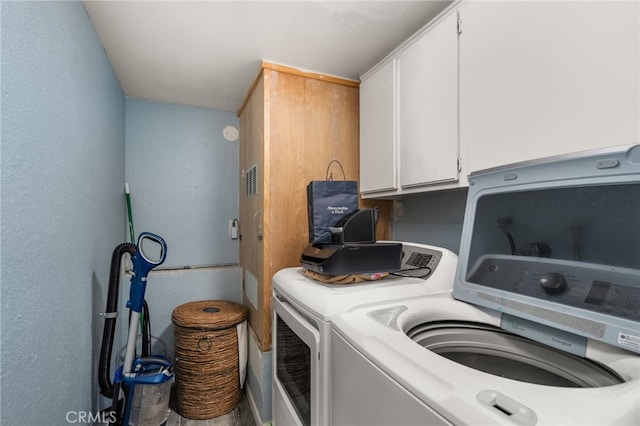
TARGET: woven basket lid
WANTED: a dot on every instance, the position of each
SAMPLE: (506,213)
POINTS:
(209,314)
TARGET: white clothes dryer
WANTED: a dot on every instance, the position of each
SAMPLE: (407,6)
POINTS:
(303,310)
(542,326)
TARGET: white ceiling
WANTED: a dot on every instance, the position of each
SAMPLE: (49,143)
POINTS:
(207,53)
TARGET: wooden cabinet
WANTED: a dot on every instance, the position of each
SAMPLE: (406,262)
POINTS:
(409,114)
(292,124)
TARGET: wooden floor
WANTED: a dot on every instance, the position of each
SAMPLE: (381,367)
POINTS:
(240,416)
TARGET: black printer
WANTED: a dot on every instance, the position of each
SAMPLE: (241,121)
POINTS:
(353,248)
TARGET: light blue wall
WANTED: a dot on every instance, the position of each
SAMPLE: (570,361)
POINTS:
(62,177)
(183,177)
(433,218)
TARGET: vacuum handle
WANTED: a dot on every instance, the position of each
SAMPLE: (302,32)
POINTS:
(151,252)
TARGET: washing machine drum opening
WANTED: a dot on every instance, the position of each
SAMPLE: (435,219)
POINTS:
(492,350)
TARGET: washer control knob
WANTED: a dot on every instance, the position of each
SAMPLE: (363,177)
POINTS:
(554,283)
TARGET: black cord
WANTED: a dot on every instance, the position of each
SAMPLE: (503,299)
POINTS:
(146,330)
(504,223)
(399,274)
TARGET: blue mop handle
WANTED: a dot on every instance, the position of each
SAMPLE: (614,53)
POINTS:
(142,264)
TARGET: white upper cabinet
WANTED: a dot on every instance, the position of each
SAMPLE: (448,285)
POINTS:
(540,78)
(429,106)
(377,130)
(491,83)
(409,115)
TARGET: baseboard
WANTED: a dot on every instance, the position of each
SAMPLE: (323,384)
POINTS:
(254,409)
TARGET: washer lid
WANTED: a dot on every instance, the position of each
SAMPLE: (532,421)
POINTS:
(557,242)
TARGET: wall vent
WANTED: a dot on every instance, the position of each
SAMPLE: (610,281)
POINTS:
(252,181)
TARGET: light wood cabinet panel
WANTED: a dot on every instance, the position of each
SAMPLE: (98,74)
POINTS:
(292,124)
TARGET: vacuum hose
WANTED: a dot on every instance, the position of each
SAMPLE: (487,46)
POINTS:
(104,376)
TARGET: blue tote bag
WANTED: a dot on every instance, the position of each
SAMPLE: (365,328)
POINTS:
(328,201)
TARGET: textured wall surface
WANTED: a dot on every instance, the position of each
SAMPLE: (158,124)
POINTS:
(62,176)
(183,177)
(433,218)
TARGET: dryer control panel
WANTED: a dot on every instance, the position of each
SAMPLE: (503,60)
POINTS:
(597,288)
(418,262)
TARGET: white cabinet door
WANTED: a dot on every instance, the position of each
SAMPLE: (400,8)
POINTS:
(377,130)
(541,78)
(428,99)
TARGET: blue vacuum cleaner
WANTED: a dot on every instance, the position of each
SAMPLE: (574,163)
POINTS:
(142,383)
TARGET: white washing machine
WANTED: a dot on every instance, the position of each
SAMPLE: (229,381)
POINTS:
(542,326)
(303,310)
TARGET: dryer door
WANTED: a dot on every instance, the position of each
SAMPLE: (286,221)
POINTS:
(295,366)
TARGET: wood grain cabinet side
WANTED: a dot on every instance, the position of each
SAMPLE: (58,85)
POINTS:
(292,124)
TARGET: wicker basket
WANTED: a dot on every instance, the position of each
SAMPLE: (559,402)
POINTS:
(207,369)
